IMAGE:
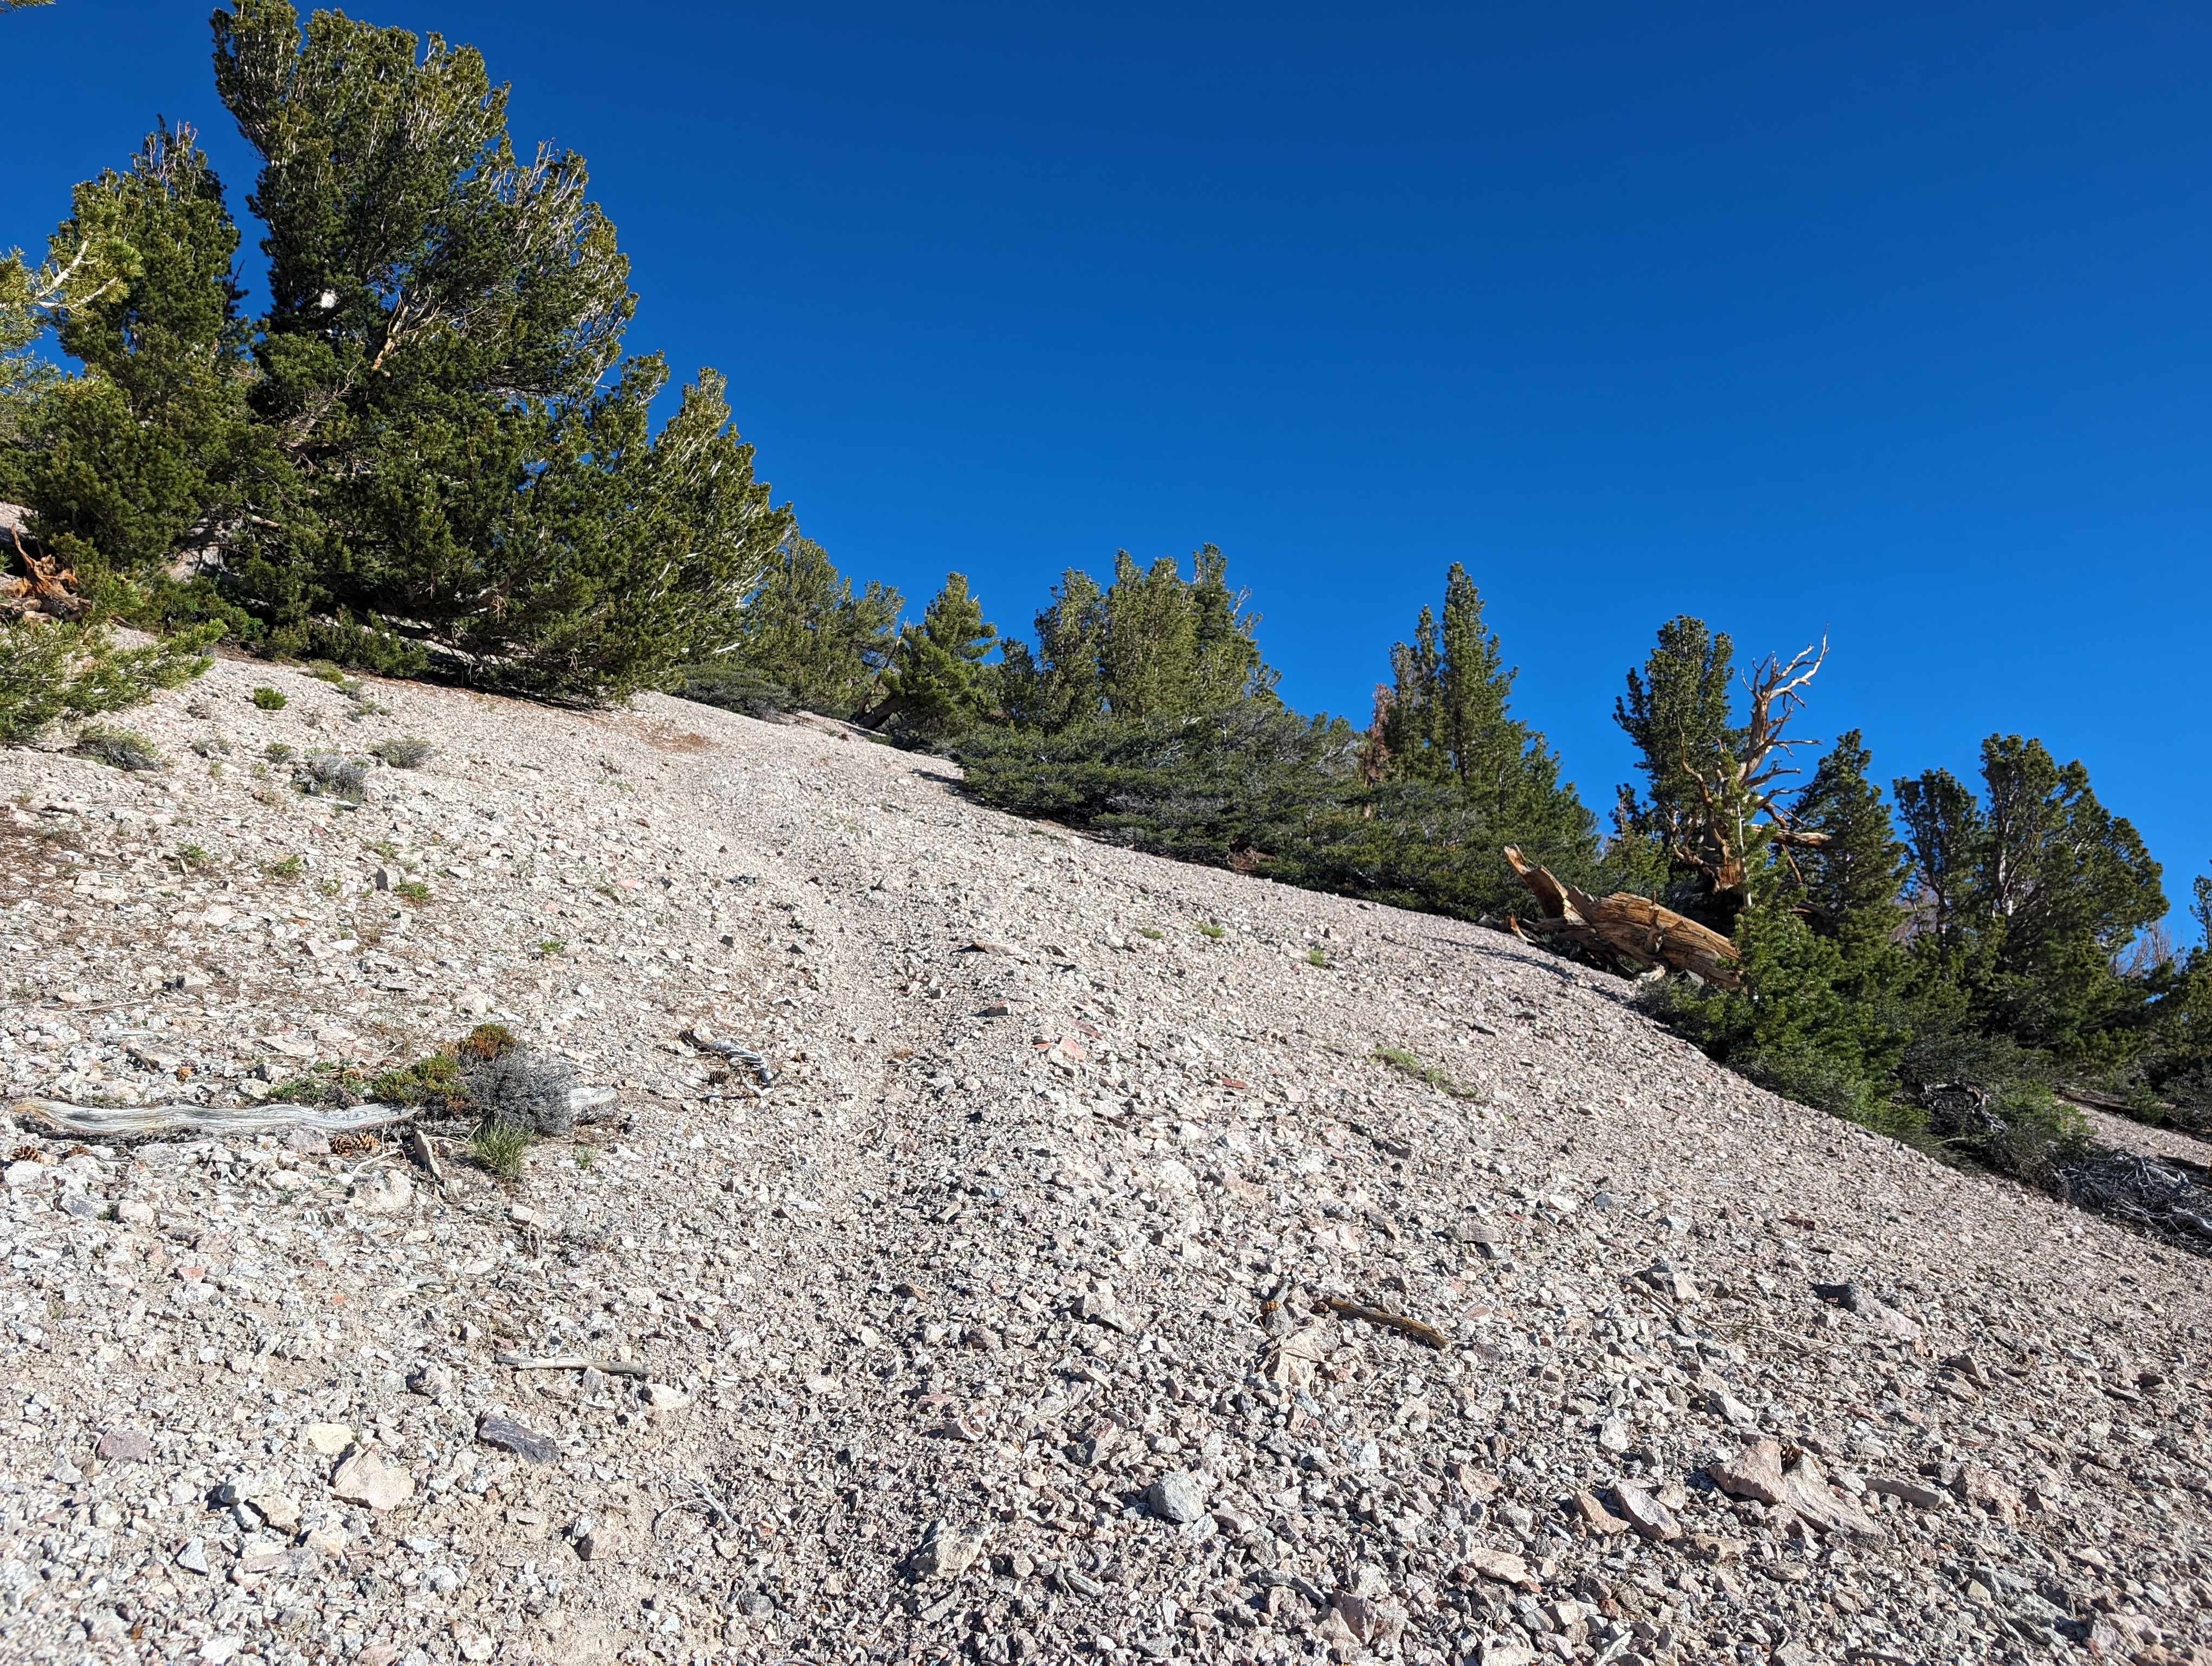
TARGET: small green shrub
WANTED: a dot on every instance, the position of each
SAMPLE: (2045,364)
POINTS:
(1209,929)
(404,752)
(551,946)
(277,752)
(434,1083)
(289,868)
(270,700)
(191,855)
(1316,957)
(1152,931)
(583,1156)
(498,1148)
(412,891)
(121,749)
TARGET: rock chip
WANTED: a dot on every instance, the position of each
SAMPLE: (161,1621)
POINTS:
(509,1436)
(126,1446)
(367,1479)
(1755,1473)
(1650,1518)
(1915,1492)
(1502,1566)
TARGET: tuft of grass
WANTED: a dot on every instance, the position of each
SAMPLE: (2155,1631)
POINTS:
(583,1156)
(497,1148)
(383,847)
(1316,957)
(404,752)
(277,752)
(551,946)
(191,855)
(289,868)
(1409,1064)
(270,700)
(1207,928)
(412,891)
(1152,931)
(120,749)
(211,746)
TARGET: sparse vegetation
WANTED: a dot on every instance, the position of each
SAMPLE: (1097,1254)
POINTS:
(289,868)
(1410,1064)
(404,752)
(411,891)
(277,752)
(120,749)
(1207,928)
(270,700)
(1316,957)
(193,856)
(331,774)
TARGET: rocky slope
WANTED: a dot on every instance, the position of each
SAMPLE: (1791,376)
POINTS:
(1125,1260)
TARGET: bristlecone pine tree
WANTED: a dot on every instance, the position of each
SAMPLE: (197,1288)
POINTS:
(430,440)
(1152,645)
(935,686)
(806,641)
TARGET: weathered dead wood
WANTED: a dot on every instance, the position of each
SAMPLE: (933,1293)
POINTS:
(1629,933)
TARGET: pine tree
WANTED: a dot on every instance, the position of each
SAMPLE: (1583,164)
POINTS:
(443,318)
(806,641)
(934,685)
(144,454)
(2062,887)
(1064,683)
(1854,878)
(1676,711)
(1225,663)
(1943,820)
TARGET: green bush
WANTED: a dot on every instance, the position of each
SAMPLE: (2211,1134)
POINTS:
(433,1082)
(120,749)
(51,671)
(404,752)
(270,700)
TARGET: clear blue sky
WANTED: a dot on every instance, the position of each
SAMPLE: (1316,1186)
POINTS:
(1890,321)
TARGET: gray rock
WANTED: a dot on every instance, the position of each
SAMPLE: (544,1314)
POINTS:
(193,1557)
(1178,1496)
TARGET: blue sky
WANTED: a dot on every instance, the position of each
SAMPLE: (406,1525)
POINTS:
(1885,321)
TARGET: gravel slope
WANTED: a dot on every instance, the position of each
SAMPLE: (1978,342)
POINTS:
(998,1325)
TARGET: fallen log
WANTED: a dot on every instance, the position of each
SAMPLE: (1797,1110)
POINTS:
(1627,932)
